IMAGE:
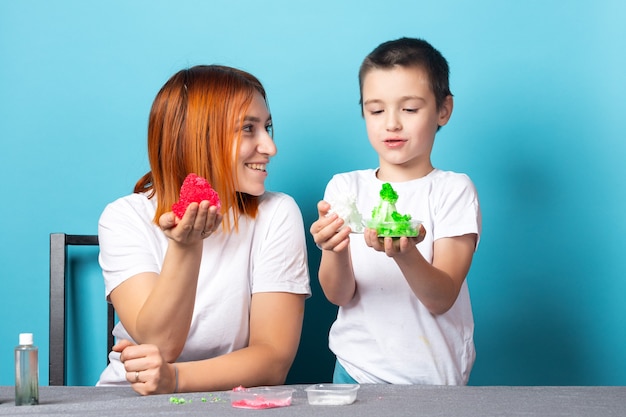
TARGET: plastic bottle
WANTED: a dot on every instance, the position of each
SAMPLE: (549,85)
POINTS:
(26,371)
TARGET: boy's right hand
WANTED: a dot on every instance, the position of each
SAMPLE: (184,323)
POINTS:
(325,230)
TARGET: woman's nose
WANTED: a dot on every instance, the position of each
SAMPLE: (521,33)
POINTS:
(267,146)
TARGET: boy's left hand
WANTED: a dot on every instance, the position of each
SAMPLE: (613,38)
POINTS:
(392,246)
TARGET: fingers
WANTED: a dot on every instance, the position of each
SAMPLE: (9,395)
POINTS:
(402,245)
(214,220)
(167,221)
(121,345)
(422,234)
(322,208)
(392,246)
(338,240)
(134,379)
(131,351)
(142,364)
(199,222)
(369,238)
(342,242)
(207,219)
(194,221)
(328,233)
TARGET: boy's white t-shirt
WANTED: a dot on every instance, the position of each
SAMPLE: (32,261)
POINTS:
(267,254)
(385,334)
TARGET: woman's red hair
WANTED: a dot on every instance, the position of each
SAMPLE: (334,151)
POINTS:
(193,128)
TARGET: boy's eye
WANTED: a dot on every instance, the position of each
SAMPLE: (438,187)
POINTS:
(376,111)
(410,110)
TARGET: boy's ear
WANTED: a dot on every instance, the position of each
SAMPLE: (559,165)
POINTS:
(445,111)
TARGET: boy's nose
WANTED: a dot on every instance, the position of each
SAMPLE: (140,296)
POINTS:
(393,122)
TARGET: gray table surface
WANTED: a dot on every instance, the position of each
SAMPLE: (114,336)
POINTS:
(372,400)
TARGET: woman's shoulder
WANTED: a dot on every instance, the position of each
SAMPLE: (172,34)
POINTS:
(277,207)
(272,200)
(132,204)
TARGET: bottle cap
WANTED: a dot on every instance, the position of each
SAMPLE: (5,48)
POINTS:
(26,338)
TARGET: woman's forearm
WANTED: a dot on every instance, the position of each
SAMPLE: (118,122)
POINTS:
(165,317)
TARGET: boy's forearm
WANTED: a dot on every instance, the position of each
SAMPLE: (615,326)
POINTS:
(432,286)
(336,277)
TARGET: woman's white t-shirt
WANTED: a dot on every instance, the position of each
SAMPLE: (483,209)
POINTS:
(266,254)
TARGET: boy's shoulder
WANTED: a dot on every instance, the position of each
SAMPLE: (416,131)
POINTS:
(441,175)
(366,174)
(451,180)
(437,179)
(435,175)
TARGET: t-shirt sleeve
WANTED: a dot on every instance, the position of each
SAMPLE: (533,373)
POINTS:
(338,186)
(332,190)
(458,209)
(126,244)
(280,255)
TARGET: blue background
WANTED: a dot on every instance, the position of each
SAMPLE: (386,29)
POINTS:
(538,124)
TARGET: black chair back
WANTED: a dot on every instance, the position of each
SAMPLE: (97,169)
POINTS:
(58,302)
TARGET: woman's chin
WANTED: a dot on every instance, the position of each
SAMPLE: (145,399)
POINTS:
(255,191)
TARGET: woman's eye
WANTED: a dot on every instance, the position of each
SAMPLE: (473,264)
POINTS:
(247,128)
(270,129)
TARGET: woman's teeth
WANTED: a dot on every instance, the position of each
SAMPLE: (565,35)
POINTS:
(258,167)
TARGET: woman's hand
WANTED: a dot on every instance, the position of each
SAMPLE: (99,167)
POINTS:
(146,370)
(327,230)
(199,222)
(392,246)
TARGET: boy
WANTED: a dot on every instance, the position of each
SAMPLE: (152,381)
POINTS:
(404,310)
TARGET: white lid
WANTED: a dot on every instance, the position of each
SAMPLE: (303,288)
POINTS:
(26,338)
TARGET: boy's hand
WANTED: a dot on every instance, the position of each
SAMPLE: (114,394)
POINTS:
(325,230)
(393,246)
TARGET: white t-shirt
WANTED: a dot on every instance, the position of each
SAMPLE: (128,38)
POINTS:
(267,254)
(385,334)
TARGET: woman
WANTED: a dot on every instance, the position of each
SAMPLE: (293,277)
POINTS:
(214,299)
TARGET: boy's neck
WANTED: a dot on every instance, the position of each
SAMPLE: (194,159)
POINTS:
(398,173)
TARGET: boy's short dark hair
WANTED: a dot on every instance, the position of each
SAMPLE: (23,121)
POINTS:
(410,52)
